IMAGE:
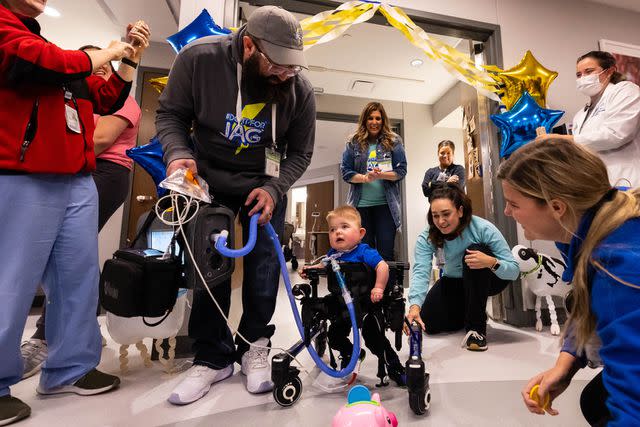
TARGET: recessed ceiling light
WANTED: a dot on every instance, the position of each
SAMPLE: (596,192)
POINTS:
(49,11)
(416,62)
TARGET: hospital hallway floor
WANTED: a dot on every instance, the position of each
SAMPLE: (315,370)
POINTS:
(467,388)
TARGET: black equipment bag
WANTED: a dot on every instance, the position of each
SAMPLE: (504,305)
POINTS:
(141,282)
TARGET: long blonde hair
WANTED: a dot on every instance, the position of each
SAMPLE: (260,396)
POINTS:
(387,136)
(563,170)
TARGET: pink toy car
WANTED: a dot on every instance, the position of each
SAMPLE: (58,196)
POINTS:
(363,410)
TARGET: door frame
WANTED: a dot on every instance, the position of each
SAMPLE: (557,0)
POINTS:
(326,178)
(402,252)
(489,41)
(124,231)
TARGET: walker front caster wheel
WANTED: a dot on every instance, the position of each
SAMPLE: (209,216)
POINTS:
(419,402)
(288,393)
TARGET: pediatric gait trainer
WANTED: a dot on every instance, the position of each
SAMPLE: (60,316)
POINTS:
(207,230)
(287,383)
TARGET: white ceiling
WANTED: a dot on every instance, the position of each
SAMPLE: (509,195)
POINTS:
(92,17)
(379,55)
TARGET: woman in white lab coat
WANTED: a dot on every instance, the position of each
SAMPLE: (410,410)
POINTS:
(610,122)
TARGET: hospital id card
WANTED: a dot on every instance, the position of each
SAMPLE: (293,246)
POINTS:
(385,165)
(73,121)
(272,163)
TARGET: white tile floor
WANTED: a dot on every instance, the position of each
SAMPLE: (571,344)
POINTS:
(468,389)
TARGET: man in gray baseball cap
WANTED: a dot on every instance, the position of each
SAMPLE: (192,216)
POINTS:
(253,118)
(279,35)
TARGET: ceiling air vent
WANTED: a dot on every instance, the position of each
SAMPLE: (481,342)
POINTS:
(362,86)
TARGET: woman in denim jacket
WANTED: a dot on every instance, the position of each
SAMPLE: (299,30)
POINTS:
(373,163)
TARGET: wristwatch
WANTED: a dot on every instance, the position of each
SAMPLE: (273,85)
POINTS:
(495,266)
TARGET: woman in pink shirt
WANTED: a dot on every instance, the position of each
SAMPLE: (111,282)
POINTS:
(114,134)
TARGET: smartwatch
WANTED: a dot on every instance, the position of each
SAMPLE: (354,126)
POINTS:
(495,266)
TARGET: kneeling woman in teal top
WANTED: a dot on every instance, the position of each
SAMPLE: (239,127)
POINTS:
(478,264)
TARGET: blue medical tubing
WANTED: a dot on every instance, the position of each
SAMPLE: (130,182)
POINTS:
(253,231)
(221,240)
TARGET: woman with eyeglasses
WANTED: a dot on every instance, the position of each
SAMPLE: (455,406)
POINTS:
(374,163)
(446,171)
(609,123)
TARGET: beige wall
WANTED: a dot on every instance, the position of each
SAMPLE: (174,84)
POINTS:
(421,143)
(158,55)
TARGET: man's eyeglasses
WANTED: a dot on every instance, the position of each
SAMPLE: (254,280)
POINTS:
(275,69)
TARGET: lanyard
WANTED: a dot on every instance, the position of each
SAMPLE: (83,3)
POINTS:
(274,144)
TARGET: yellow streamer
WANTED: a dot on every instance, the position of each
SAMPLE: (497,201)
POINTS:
(326,26)
(329,25)
(159,83)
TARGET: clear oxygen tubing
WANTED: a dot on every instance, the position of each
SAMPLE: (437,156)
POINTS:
(220,245)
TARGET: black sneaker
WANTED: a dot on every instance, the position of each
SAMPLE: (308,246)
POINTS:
(94,382)
(12,410)
(397,374)
(344,361)
(474,341)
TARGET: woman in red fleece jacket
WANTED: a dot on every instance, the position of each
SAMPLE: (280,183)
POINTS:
(48,215)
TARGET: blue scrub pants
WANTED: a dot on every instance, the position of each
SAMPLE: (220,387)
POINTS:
(49,235)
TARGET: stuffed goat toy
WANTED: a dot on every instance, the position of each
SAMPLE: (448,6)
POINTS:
(543,275)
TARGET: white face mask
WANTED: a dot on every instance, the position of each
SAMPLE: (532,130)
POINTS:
(589,85)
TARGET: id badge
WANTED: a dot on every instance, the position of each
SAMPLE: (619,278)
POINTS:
(385,165)
(272,163)
(73,122)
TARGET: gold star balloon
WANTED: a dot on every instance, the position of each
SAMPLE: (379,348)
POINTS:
(529,75)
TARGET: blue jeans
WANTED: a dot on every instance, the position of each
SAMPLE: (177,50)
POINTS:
(214,346)
(381,229)
(49,235)
(381,233)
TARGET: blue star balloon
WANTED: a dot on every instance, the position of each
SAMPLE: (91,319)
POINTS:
(202,26)
(149,156)
(518,125)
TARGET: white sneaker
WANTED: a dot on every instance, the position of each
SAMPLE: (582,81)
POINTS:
(197,383)
(34,353)
(255,366)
